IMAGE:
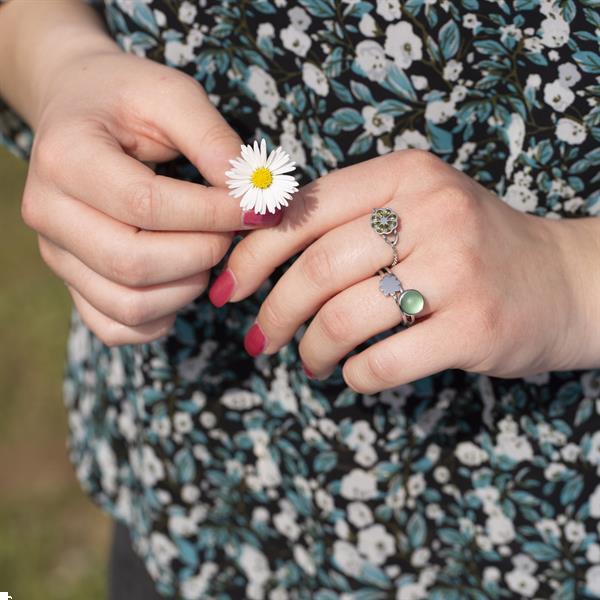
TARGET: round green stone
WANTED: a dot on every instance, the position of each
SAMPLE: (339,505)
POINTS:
(411,302)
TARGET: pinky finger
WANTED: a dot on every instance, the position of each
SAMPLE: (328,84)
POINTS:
(413,353)
(113,333)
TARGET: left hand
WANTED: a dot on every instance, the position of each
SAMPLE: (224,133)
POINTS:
(499,297)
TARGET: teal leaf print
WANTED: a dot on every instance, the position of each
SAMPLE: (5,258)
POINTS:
(143,15)
(449,39)
(588,61)
(540,551)
(341,91)
(319,8)
(417,530)
(361,144)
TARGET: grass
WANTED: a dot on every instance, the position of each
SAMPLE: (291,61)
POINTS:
(53,540)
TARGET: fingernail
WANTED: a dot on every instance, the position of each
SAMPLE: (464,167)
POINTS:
(308,372)
(222,288)
(251,219)
(255,340)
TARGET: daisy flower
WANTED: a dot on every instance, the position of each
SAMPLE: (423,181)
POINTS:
(261,180)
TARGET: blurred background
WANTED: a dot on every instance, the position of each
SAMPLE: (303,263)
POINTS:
(53,540)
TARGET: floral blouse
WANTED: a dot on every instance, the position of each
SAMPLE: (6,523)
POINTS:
(240,478)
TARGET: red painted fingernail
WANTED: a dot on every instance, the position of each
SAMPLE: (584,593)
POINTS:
(255,340)
(250,218)
(222,288)
(308,372)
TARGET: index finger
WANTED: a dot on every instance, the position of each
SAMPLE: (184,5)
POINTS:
(103,176)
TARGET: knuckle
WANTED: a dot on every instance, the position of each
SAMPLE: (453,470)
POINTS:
(317,265)
(132,310)
(144,203)
(272,315)
(381,368)
(457,205)
(29,211)
(127,268)
(413,160)
(49,150)
(336,323)
(208,215)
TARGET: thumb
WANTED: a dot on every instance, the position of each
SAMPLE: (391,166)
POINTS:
(197,129)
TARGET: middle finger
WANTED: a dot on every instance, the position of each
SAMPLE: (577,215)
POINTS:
(344,256)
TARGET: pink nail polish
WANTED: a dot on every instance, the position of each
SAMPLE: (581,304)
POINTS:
(251,219)
(255,340)
(222,288)
(308,372)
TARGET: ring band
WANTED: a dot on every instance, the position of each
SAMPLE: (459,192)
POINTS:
(384,221)
(410,302)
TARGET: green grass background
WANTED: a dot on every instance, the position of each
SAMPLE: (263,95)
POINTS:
(53,540)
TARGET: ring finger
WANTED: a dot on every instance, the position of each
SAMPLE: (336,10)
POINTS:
(358,313)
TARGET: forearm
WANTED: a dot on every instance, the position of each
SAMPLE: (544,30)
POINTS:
(579,241)
(36,39)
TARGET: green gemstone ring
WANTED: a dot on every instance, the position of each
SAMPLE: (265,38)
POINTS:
(410,302)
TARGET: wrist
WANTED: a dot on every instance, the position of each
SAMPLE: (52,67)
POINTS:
(39,41)
(578,243)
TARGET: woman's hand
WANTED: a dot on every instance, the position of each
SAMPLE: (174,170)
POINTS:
(500,293)
(132,247)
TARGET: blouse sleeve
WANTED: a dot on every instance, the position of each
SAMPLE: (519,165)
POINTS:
(15,134)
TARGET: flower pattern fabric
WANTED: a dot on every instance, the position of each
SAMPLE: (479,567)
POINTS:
(239,478)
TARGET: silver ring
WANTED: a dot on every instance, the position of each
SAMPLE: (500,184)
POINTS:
(384,221)
(410,302)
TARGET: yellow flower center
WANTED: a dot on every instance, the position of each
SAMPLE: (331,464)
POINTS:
(262,178)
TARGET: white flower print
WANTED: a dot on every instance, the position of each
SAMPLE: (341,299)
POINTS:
(557,96)
(402,44)
(152,469)
(521,197)
(347,558)
(500,529)
(362,434)
(263,86)
(295,40)
(412,591)
(411,138)
(162,548)
(285,523)
(240,399)
(555,31)
(196,586)
(299,18)
(371,58)
(178,54)
(593,454)
(470,454)
(470,21)
(358,485)
(315,79)
(389,9)
(570,131)
(268,471)
(182,525)
(522,583)
(305,560)
(359,514)
(439,111)
(367,25)
(376,544)
(366,456)
(592,580)
(568,75)
(415,484)
(265,30)
(187,12)
(194,39)
(525,563)
(593,553)
(267,116)
(452,70)
(574,532)
(376,123)
(420,557)
(515,447)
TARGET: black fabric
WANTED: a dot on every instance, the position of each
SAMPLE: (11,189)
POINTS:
(127,576)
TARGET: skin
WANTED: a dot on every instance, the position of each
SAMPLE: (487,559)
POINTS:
(507,294)
(131,246)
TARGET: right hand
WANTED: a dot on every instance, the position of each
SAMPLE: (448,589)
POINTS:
(133,247)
